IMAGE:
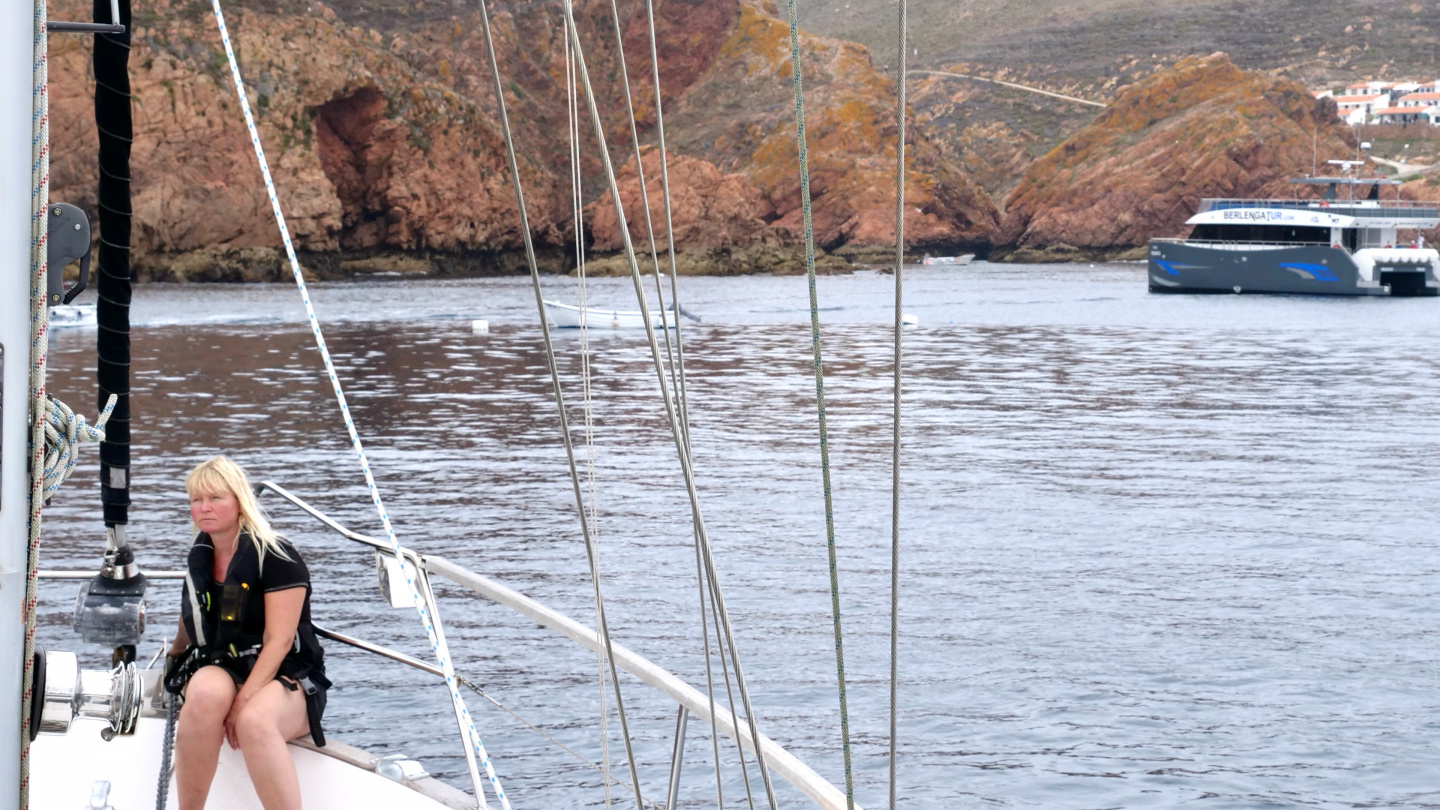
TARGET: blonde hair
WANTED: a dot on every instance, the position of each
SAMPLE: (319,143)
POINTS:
(220,474)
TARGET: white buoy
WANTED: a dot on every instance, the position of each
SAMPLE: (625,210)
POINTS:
(480,327)
(910,320)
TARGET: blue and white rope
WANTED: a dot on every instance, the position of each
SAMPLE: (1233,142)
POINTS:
(65,431)
(437,643)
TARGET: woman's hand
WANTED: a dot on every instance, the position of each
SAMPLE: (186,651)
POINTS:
(236,707)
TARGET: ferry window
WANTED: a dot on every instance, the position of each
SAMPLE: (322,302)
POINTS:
(1352,238)
(1261,234)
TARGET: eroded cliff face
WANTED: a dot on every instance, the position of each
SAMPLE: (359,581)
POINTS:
(1203,128)
(740,116)
(388,144)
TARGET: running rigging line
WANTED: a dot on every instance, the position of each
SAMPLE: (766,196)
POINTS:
(820,393)
(675,356)
(572,112)
(476,749)
(590,550)
(39,340)
(681,449)
(900,114)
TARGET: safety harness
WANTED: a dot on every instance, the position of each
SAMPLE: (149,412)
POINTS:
(218,632)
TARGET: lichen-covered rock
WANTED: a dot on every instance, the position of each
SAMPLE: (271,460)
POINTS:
(384,142)
(1202,128)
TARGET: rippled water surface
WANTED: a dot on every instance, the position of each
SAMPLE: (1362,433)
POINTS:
(1156,549)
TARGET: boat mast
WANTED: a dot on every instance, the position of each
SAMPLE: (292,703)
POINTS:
(16,47)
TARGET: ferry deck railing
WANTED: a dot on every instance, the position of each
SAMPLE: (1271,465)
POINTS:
(1231,245)
(688,699)
(1379,209)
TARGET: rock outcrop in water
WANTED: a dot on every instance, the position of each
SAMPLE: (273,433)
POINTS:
(387,153)
(1203,128)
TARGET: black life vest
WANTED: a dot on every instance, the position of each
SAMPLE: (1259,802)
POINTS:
(215,617)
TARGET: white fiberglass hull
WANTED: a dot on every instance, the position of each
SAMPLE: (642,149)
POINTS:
(957,260)
(72,316)
(564,316)
(65,767)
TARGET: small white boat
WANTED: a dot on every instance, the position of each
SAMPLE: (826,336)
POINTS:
(564,316)
(72,315)
(960,260)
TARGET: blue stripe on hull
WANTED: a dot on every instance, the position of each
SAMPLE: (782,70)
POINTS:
(1312,270)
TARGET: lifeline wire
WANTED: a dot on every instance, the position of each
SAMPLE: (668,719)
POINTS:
(681,450)
(590,551)
(39,341)
(437,644)
(820,393)
(900,114)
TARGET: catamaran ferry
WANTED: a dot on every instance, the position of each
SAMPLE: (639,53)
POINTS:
(1328,246)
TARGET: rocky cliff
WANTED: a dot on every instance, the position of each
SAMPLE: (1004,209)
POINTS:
(1202,128)
(387,153)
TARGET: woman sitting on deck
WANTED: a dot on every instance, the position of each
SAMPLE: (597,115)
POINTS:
(245,656)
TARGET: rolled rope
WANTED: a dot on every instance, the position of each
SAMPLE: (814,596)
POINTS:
(65,431)
(437,643)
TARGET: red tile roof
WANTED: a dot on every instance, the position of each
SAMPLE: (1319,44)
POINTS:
(1420,97)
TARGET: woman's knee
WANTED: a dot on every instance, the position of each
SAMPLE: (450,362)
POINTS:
(208,695)
(257,720)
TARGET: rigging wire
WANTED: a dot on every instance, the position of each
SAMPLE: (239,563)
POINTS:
(644,190)
(39,343)
(678,382)
(572,112)
(590,551)
(700,581)
(725,673)
(605,771)
(676,358)
(900,115)
(437,641)
(681,449)
(820,393)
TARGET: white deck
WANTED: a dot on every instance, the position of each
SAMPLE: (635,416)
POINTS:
(63,768)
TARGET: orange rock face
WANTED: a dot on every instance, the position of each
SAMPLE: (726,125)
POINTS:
(707,208)
(391,142)
(1203,128)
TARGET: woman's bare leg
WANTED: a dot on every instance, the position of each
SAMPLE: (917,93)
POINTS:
(199,732)
(273,717)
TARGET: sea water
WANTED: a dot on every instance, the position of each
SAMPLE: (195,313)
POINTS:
(1155,549)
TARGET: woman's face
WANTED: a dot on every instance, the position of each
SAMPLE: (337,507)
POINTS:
(215,513)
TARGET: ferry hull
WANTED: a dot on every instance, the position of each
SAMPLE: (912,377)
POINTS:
(1178,267)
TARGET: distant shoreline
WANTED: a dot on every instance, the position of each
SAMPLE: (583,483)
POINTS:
(270,265)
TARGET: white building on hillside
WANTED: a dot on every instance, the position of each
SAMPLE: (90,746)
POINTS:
(1359,109)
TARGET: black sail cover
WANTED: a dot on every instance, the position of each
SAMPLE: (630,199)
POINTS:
(112,310)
